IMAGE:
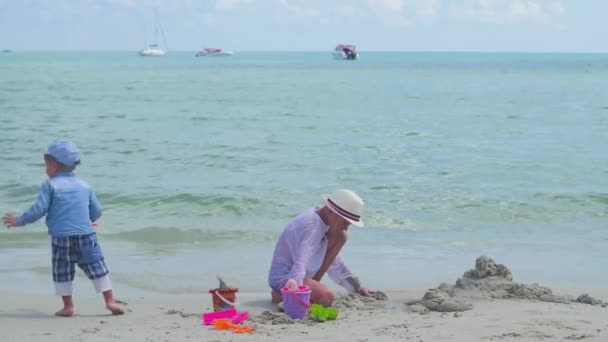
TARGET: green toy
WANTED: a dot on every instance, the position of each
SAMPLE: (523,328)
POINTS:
(322,313)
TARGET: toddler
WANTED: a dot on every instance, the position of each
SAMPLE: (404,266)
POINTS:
(70,206)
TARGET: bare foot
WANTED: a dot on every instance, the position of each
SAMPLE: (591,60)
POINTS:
(115,309)
(65,312)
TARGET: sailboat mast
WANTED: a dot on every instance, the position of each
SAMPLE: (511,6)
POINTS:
(162,32)
(156,23)
(146,35)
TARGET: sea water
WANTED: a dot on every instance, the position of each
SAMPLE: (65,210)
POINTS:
(200,162)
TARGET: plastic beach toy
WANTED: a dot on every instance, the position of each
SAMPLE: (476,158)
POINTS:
(209,317)
(224,299)
(239,318)
(226,324)
(297,302)
(322,313)
(230,314)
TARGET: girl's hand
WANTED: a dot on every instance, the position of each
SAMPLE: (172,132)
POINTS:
(365,292)
(10,221)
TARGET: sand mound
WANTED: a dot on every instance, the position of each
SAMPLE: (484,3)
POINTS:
(358,302)
(488,280)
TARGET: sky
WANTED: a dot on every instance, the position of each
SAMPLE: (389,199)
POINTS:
(303,25)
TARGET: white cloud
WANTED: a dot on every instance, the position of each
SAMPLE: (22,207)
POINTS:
(427,8)
(390,12)
(389,5)
(511,11)
(298,10)
(401,12)
(230,5)
(525,9)
(558,8)
(350,11)
(125,3)
(418,7)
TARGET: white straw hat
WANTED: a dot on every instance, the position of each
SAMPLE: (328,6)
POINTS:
(347,204)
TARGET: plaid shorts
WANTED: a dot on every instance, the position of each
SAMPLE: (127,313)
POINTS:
(77,249)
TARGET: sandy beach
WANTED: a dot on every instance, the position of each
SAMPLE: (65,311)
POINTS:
(29,318)
(556,317)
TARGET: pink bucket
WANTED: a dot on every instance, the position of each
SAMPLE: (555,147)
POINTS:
(297,303)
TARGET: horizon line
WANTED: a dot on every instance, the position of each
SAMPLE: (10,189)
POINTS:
(9,50)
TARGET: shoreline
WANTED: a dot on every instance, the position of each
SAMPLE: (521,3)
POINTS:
(30,274)
(157,269)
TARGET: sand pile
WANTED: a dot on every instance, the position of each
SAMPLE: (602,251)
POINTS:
(488,280)
(355,301)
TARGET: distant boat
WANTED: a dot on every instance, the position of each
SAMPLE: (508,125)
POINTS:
(213,52)
(154,49)
(6,51)
(346,51)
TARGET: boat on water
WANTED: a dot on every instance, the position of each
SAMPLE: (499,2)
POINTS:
(154,48)
(346,51)
(213,52)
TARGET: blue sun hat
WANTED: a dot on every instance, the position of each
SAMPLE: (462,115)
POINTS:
(65,152)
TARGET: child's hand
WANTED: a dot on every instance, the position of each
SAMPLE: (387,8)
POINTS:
(10,221)
(365,292)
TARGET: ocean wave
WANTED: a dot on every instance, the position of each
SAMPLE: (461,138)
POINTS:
(588,201)
(206,204)
(176,236)
(18,193)
(454,211)
(152,236)
(599,198)
(23,239)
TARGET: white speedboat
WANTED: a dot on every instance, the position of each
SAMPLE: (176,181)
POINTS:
(346,51)
(213,52)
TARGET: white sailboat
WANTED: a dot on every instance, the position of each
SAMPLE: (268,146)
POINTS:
(154,48)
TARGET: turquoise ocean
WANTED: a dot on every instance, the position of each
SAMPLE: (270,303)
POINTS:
(200,162)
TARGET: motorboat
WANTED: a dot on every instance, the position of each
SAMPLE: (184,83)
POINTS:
(213,52)
(346,51)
